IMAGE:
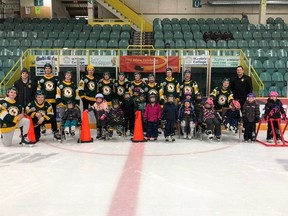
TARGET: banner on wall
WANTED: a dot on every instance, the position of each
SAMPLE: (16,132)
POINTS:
(225,61)
(71,61)
(192,61)
(146,63)
(40,61)
(104,61)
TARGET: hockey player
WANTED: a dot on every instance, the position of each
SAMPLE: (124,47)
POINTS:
(105,87)
(222,96)
(121,86)
(188,119)
(41,112)
(100,109)
(48,85)
(11,116)
(251,115)
(152,87)
(115,119)
(169,86)
(188,85)
(137,83)
(88,88)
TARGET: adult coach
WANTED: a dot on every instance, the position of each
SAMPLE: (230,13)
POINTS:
(241,86)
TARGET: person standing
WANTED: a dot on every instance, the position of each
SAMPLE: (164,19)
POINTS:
(121,86)
(138,82)
(152,87)
(241,86)
(25,88)
(188,85)
(88,88)
(105,86)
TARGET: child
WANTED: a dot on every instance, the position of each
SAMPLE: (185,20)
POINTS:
(100,109)
(115,119)
(128,108)
(208,115)
(251,115)
(273,110)
(71,118)
(140,104)
(232,116)
(188,119)
(169,117)
(152,116)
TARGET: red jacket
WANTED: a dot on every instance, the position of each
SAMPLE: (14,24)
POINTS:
(152,113)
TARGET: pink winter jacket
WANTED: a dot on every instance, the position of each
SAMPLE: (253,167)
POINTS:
(100,107)
(152,113)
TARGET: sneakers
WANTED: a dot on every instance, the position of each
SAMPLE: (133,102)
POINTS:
(172,138)
(227,126)
(218,138)
(210,136)
(57,135)
(269,140)
(66,130)
(185,136)
(253,136)
(189,137)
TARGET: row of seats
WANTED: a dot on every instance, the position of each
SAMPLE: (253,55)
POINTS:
(246,35)
(69,43)
(269,54)
(106,35)
(65,27)
(270,66)
(221,27)
(273,21)
(200,21)
(281,91)
(28,20)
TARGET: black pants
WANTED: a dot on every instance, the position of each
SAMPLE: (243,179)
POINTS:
(169,128)
(214,125)
(269,130)
(86,103)
(250,127)
(37,129)
(129,123)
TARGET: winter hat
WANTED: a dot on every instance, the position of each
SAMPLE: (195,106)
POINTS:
(24,70)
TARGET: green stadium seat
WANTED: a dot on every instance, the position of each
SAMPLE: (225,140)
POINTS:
(87,28)
(69,43)
(158,35)
(58,43)
(102,44)
(211,44)
(159,44)
(78,27)
(28,27)
(125,35)
(168,35)
(195,28)
(126,28)
(183,21)
(218,21)
(10,34)
(222,44)
(286,76)
(198,36)
(280,66)
(26,43)
(185,27)
(104,35)
(283,44)
(232,28)
(116,28)
(237,35)
(180,44)
(201,21)
(267,35)
(178,35)
(227,21)
(176,27)
(192,21)
(223,28)
(112,43)
(170,43)
(272,55)
(188,35)
(157,21)
(236,20)
(261,55)
(175,21)
(279,20)
(210,21)
(260,27)
(53,35)
(274,44)
(190,44)
(2,34)
(47,43)
(282,54)
(17,52)
(63,35)
(91,44)
(270,28)
(94,35)
(284,91)
(167,27)
(2,74)
(115,35)
(243,44)
(157,28)
(268,66)
(253,44)
(276,35)
(21,34)
(14,43)
(7,64)
(257,35)
(270,20)
(242,28)
(275,88)
(107,27)
(263,44)
(84,35)
(166,21)
(36,43)
(266,79)
(279,27)
(204,28)
(284,35)
(80,43)
(244,21)
(258,66)
(42,35)
(4,43)
(232,44)
(214,28)
(123,44)
(250,53)
(74,35)
(247,35)
(201,44)
(97,28)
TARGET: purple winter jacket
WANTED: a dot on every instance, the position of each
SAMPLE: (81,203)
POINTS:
(152,113)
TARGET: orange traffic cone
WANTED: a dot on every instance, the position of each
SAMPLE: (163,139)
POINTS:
(85,134)
(138,128)
(31,134)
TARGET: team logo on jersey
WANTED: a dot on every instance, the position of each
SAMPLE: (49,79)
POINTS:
(222,99)
(41,81)
(49,86)
(153,91)
(67,92)
(61,86)
(120,90)
(4,105)
(91,86)
(170,87)
(42,112)
(187,89)
(86,80)
(106,90)
(13,111)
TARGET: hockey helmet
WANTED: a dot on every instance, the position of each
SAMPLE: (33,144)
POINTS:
(225,80)
(273,94)
(188,93)
(209,101)
(236,104)
(251,95)
(99,95)
(115,102)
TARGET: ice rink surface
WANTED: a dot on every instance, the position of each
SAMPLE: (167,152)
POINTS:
(121,178)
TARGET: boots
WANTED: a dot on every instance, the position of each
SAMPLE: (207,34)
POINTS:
(72,132)
(57,135)
(66,130)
